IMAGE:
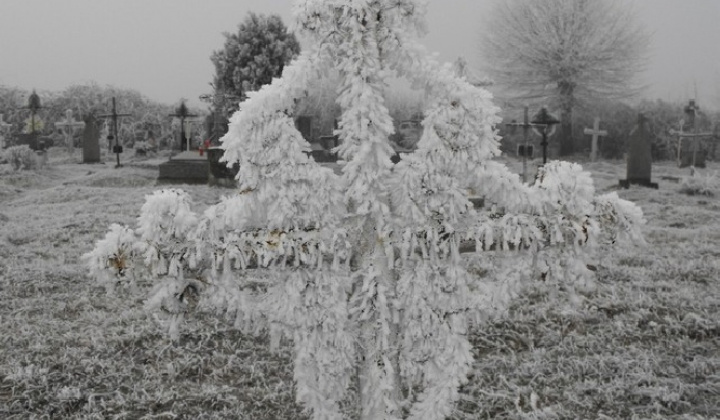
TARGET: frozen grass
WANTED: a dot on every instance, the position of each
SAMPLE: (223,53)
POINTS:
(644,344)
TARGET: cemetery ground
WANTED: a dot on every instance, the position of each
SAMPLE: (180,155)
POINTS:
(644,342)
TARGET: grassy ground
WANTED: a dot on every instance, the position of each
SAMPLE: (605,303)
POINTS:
(645,344)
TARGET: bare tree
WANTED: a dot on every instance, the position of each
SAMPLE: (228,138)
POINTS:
(564,53)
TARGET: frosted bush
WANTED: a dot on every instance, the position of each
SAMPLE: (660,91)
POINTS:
(699,184)
(111,260)
(21,157)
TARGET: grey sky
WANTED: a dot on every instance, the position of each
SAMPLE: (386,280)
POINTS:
(162,47)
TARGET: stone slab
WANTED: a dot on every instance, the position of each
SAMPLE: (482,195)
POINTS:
(185,168)
(91,141)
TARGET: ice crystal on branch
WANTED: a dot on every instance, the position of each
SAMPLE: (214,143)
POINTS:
(364,271)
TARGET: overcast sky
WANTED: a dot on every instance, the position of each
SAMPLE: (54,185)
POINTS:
(162,47)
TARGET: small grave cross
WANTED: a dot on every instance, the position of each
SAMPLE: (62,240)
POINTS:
(4,129)
(114,116)
(595,132)
(690,111)
(182,113)
(69,127)
(526,126)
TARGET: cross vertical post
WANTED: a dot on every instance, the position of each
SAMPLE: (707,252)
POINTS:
(526,126)
(114,116)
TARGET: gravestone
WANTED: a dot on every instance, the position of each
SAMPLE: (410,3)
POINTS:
(29,139)
(303,123)
(220,173)
(91,140)
(639,156)
(595,132)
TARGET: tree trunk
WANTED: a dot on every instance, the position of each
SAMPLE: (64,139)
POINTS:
(567,102)
(567,143)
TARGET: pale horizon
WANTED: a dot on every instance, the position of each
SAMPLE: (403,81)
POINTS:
(162,48)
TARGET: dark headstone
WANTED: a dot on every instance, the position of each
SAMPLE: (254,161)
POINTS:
(29,139)
(220,173)
(35,141)
(91,140)
(303,124)
(639,156)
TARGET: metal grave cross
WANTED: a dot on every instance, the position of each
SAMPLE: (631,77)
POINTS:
(4,129)
(691,112)
(117,149)
(595,132)
(69,127)
(526,126)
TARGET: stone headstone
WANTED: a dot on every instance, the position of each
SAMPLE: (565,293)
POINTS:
(220,173)
(303,123)
(29,139)
(91,140)
(639,156)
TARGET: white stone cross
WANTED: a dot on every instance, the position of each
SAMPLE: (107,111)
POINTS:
(595,132)
(68,127)
(4,129)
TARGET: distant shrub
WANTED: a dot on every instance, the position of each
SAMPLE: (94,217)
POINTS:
(21,157)
(699,184)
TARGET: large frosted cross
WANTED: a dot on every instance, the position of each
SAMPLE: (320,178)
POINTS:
(595,132)
(4,129)
(69,127)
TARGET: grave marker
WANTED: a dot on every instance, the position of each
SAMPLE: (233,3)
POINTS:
(69,127)
(639,156)
(526,126)
(91,140)
(698,160)
(304,124)
(117,149)
(595,132)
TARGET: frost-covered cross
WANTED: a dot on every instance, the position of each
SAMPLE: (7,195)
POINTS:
(4,129)
(595,132)
(69,127)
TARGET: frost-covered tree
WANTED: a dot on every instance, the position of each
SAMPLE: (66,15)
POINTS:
(254,55)
(564,53)
(363,271)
